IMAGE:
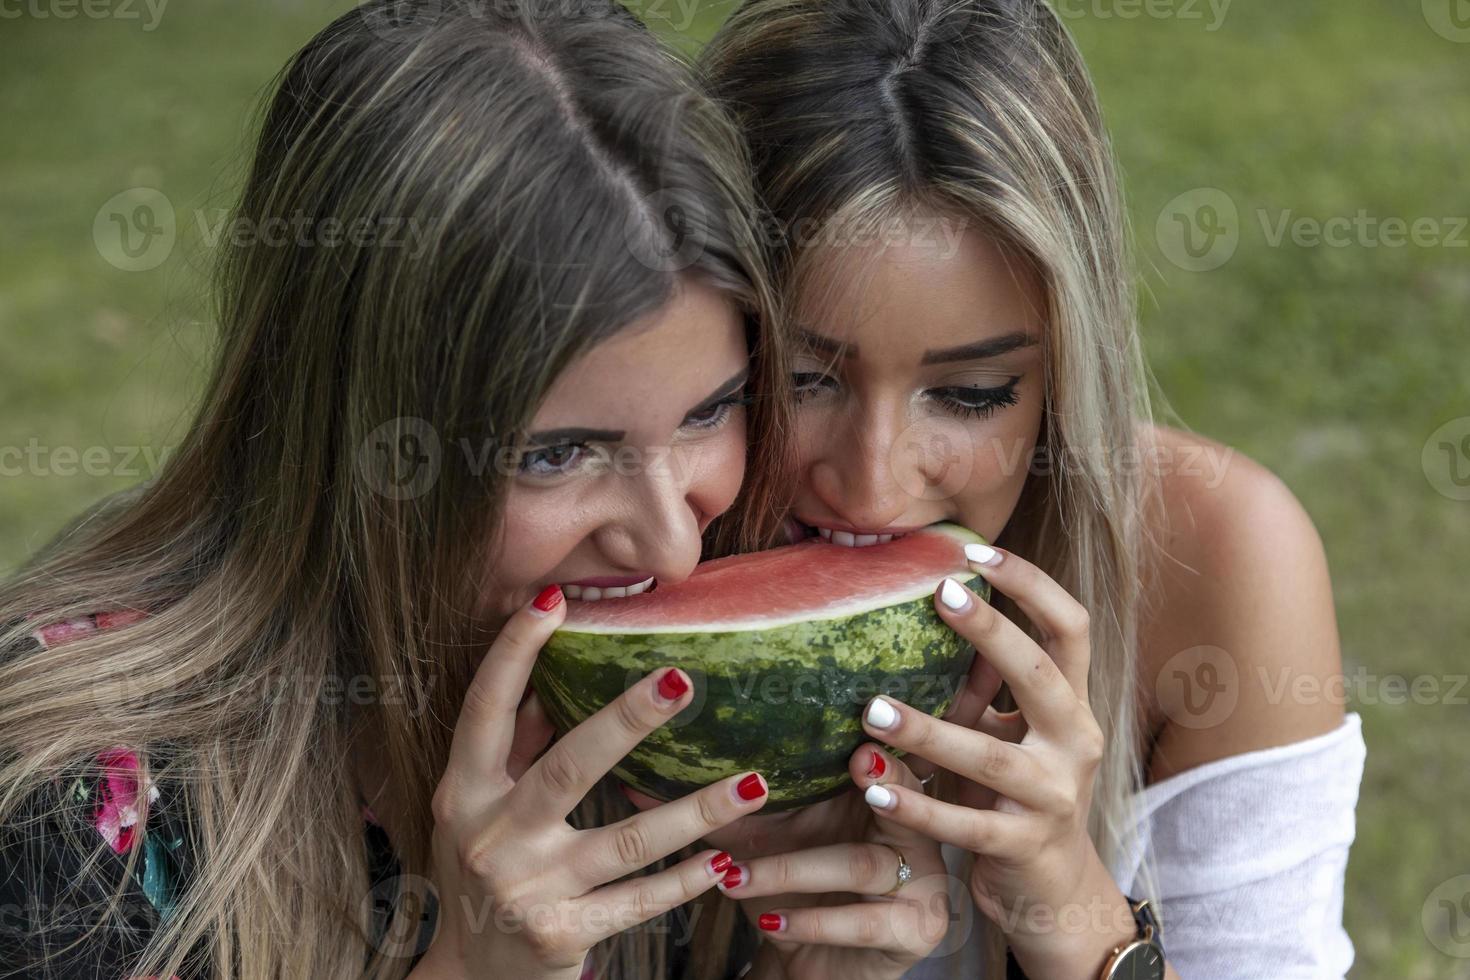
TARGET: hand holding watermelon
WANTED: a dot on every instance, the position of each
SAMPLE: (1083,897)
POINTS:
(1026,777)
(801,899)
(521,893)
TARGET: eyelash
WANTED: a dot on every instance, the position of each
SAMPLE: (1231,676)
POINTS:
(720,413)
(963,400)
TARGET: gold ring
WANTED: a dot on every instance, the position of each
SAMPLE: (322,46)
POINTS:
(905,873)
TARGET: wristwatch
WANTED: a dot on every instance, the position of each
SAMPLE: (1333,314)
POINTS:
(1143,958)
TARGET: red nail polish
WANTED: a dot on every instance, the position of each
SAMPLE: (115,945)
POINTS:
(750,788)
(770,922)
(733,877)
(720,863)
(672,685)
(877,766)
(549,599)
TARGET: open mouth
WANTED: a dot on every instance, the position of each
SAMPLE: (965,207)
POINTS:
(596,593)
(843,537)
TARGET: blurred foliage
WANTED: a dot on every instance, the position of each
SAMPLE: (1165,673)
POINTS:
(1331,364)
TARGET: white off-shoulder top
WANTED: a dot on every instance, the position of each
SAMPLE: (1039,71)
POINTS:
(1250,853)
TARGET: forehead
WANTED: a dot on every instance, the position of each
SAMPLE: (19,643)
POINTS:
(651,373)
(897,299)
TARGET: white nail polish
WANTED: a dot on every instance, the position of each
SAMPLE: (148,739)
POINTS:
(952,594)
(881,714)
(982,554)
(880,797)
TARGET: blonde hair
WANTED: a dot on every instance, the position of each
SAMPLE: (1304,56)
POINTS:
(860,111)
(542,151)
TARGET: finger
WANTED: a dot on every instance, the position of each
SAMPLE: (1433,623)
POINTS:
(619,907)
(1008,726)
(607,853)
(1042,692)
(870,765)
(982,683)
(485,729)
(888,926)
(1062,620)
(861,869)
(987,832)
(1004,767)
(556,783)
(533,732)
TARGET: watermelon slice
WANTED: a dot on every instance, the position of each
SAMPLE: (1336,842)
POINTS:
(785,648)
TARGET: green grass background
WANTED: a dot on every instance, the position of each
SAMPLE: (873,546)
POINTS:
(1332,365)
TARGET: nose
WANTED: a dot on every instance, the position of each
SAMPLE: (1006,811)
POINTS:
(855,472)
(659,526)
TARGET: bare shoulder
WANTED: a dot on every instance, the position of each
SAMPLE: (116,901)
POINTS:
(1239,649)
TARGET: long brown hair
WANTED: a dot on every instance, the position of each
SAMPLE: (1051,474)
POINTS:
(546,167)
(860,112)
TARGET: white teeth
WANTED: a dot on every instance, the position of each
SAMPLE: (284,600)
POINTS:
(591,593)
(849,540)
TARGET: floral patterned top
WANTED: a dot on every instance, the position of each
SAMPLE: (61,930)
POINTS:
(54,885)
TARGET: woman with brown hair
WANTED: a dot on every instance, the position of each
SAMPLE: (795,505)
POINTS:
(402,463)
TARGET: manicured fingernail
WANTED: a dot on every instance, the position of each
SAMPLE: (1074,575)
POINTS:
(881,714)
(734,878)
(880,796)
(771,922)
(982,554)
(877,765)
(953,595)
(672,685)
(752,787)
(549,599)
(719,864)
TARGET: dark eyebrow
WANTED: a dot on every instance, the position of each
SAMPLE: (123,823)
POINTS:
(993,347)
(736,382)
(826,345)
(560,437)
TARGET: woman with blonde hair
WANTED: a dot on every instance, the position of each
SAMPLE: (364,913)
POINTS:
(260,714)
(955,259)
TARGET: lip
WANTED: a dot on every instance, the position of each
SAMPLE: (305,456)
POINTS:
(611,581)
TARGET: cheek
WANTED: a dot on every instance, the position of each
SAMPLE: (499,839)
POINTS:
(717,472)
(1004,449)
(540,531)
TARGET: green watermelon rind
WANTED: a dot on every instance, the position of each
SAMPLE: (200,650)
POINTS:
(785,701)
